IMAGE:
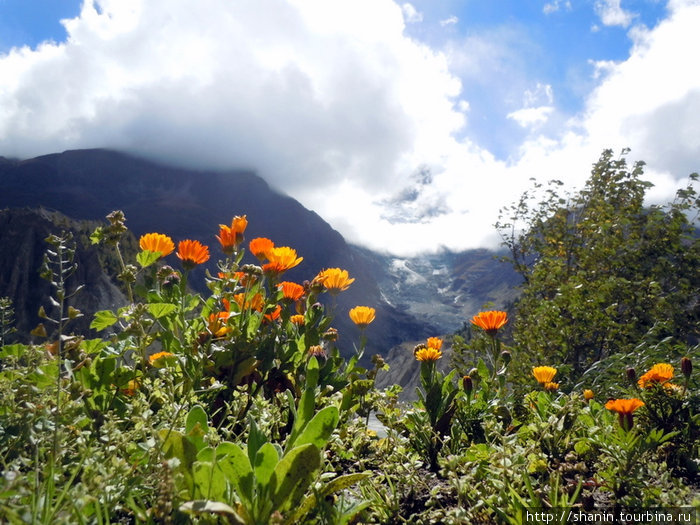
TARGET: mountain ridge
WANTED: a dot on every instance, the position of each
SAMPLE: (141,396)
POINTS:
(88,184)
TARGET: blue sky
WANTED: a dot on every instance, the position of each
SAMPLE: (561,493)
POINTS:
(30,22)
(433,114)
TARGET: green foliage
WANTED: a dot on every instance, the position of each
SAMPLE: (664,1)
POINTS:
(602,270)
(218,408)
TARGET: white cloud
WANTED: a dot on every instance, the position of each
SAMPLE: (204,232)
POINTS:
(528,117)
(410,14)
(537,107)
(331,102)
(305,92)
(449,21)
(649,101)
(611,13)
(556,5)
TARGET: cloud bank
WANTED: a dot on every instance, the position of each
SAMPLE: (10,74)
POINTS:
(331,102)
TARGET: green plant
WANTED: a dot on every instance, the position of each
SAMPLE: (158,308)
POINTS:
(601,270)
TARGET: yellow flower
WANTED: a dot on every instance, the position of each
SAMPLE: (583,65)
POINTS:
(362,315)
(425,353)
(335,280)
(192,253)
(490,321)
(157,242)
(659,374)
(588,394)
(297,319)
(544,374)
(281,259)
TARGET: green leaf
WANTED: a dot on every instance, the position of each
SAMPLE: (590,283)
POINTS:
(209,480)
(312,373)
(196,426)
(256,439)
(103,319)
(104,368)
(159,310)
(333,486)
(146,258)
(236,467)
(266,460)
(303,415)
(175,445)
(318,431)
(15,350)
(97,235)
(293,475)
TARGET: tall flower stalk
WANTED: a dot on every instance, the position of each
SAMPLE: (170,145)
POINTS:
(57,267)
(435,397)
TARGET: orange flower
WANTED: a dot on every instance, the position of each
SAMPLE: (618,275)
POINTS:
(157,242)
(659,374)
(281,259)
(273,315)
(192,253)
(551,386)
(260,246)
(252,303)
(434,342)
(231,236)
(155,357)
(544,374)
(217,324)
(588,394)
(490,321)
(335,280)
(297,319)
(131,387)
(362,315)
(291,291)
(624,406)
(624,409)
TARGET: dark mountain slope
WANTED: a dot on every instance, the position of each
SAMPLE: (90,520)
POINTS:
(88,184)
(22,247)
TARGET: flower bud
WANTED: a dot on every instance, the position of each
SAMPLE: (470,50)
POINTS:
(551,386)
(631,375)
(686,367)
(467,384)
(331,334)
(588,394)
(420,346)
(317,351)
